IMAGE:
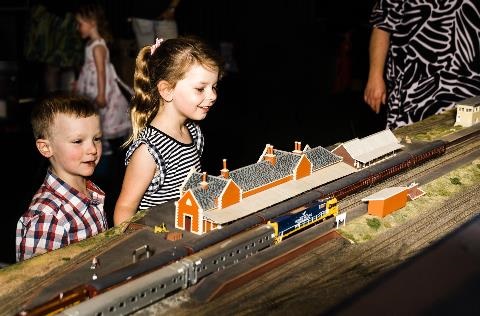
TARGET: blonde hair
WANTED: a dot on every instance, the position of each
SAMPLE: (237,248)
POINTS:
(43,114)
(169,62)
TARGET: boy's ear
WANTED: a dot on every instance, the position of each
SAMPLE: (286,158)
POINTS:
(43,146)
(165,90)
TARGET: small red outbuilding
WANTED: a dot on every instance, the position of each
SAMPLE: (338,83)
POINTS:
(386,201)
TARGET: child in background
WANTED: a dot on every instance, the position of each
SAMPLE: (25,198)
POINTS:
(68,207)
(175,84)
(98,79)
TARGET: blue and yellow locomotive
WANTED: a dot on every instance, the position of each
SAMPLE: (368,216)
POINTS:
(315,212)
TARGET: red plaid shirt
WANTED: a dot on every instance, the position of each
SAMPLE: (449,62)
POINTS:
(58,216)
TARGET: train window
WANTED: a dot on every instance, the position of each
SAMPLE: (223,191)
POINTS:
(143,294)
(180,278)
(266,237)
(198,269)
(223,258)
(231,254)
(174,280)
(153,290)
(99,314)
(133,299)
(260,241)
(238,250)
(253,244)
(215,261)
(204,267)
(111,309)
(121,305)
(162,286)
(246,247)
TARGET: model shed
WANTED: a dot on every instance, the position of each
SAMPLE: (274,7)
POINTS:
(468,112)
(386,201)
(363,152)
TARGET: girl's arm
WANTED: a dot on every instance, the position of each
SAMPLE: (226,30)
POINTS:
(99,55)
(138,176)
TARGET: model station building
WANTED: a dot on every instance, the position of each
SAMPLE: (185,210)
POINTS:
(468,112)
(207,202)
(363,152)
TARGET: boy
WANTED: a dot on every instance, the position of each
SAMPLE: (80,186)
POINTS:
(68,207)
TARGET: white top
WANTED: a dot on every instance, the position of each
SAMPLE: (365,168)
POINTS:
(384,194)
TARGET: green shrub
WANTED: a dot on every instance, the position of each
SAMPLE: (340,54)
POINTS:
(455,181)
(373,223)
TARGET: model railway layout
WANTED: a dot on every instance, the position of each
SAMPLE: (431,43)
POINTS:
(144,282)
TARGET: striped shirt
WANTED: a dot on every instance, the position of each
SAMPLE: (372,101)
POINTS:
(174,161)
(58,216)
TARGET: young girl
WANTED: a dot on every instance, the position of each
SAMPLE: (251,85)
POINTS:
(98,79)
(175,84)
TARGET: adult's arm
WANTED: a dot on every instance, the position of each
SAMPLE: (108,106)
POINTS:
(375,91)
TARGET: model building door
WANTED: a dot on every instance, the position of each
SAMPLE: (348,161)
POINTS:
(188,223)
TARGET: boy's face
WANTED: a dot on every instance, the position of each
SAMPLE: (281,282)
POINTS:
(74,146)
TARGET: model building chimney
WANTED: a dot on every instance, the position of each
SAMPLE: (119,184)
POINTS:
(224,172)
(270,156)
(204,183)
(298,148)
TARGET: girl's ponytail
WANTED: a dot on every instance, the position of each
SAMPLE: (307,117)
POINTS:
(146,97)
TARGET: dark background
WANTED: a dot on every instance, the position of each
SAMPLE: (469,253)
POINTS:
(301,70)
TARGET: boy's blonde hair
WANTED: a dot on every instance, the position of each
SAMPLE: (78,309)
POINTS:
(43,114)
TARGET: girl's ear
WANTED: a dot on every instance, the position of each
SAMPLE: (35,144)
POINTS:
(165,90)
(43,146)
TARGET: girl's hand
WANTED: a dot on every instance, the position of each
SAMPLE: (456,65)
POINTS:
(100,101)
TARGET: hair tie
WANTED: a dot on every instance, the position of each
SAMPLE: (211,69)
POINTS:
(158,41)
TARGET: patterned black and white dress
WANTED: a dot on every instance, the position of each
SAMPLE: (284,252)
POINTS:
(434,55)
(174,161)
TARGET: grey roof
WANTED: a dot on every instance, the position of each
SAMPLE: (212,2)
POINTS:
(263,172)
(473,101)
(373,146)
(284,191)
(205,197)
(320,157)
(256,175)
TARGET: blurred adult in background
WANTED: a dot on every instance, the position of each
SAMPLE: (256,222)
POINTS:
(154,19)
(51,39)
(424,57)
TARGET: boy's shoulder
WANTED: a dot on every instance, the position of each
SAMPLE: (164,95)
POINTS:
(46,201)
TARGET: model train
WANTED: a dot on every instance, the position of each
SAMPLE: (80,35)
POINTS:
(168,278)
(229,245)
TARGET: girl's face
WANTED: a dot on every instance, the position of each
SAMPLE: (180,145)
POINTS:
(75,147)
(85,26)
(194,95)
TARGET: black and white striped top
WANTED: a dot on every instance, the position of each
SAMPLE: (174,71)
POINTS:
(174,161)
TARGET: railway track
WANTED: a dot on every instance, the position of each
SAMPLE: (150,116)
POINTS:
(27,293)
(453,153)
(427,228)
